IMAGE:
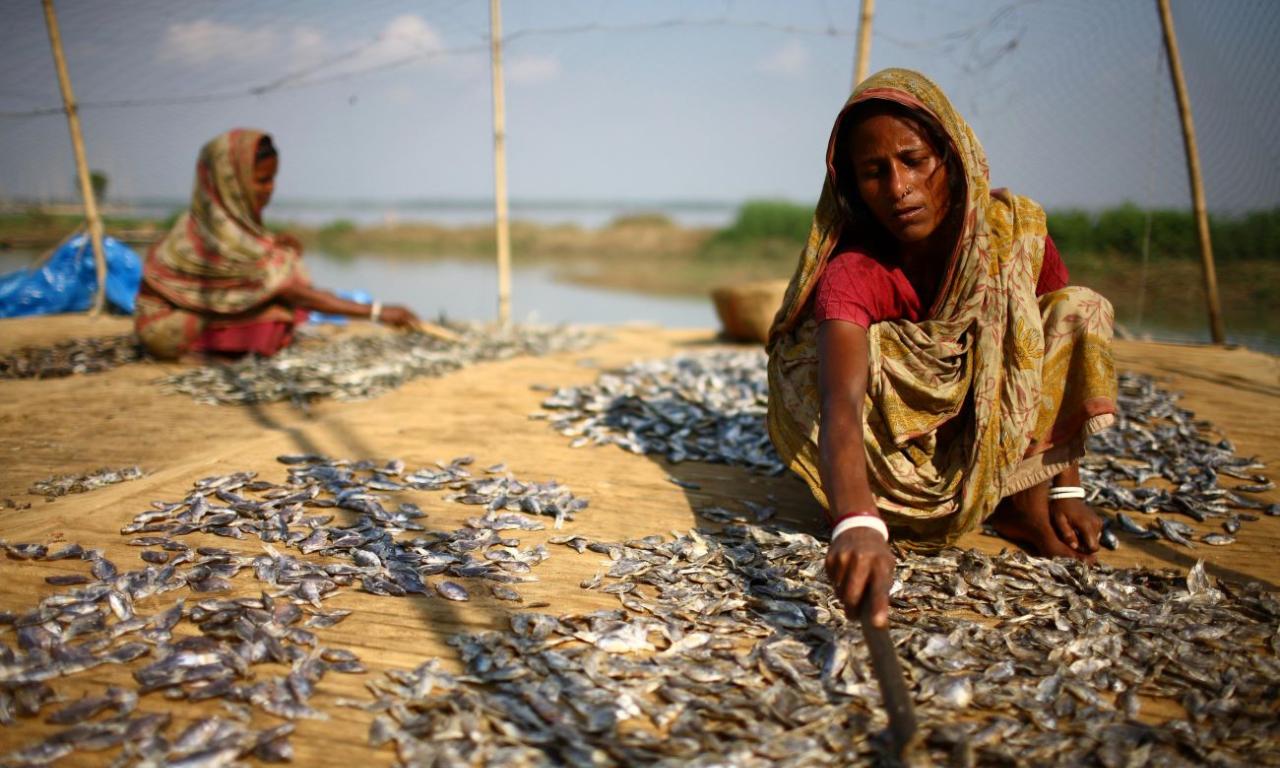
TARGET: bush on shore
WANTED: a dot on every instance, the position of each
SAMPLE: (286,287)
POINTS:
(1121,231)
(769,228)
(768,220)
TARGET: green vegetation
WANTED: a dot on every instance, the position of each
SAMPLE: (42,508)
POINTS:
(659,220)
(37,228)
(763,241)
(337,228)
(1121,231)
(98,181)
(765,220)
(765,227)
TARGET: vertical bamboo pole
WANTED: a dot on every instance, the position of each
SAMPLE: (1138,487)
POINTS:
(82,165)
(500,166)
(863,54)
(1193,171)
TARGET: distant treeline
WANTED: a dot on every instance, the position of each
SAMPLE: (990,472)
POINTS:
(1122,231)
(1118,231)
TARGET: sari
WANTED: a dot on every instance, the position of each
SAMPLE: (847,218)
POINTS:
(992,392)
(214,281)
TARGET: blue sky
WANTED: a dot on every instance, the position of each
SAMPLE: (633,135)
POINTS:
(390,100)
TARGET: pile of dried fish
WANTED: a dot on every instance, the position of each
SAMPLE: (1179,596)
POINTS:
(73,356)
(711,407)
(729,649)
(96,622)
(61,485)
(360,367)
(707,407)
(237,506)
(1154,439)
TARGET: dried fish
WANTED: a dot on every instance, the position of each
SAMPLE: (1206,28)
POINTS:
(361,367)
(726,670)
(61,485)
(88,355)
(452,591)
(707,407)
(711,407)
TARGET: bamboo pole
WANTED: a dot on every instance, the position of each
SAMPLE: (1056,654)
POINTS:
(863,54)
(1193,171)
(82,165)
(503,228)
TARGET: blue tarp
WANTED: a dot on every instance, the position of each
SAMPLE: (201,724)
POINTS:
(68,280)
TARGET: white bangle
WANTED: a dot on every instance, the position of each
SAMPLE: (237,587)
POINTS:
(861,521)
(1066,492)
(375,312)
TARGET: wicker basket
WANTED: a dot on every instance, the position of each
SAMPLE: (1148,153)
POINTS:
(746,310)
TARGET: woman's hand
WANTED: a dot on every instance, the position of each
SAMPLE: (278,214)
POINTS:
(860,566)
(1076,525)
(397,316)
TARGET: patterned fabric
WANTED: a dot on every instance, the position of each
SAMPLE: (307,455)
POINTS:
(218,266)
(992,392)
(864,287)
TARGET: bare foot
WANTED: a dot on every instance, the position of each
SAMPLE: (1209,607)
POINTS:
(1066,528)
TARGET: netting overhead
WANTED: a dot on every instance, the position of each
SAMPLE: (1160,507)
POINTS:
(1072,100)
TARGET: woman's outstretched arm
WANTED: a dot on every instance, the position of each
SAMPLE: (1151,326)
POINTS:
(319,300)
(859,561)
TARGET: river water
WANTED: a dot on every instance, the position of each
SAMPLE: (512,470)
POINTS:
(467,289)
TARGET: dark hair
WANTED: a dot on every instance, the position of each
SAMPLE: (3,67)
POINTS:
(264,150)
(847,194)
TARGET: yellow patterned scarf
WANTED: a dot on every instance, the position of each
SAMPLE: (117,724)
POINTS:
(219,257)
(992,392)
(218,265)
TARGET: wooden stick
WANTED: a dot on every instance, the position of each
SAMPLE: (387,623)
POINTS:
(1193,170)
(503,229)
(439,331)
(82,165)
(863,55)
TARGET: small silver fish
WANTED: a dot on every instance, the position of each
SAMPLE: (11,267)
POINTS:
(451,590)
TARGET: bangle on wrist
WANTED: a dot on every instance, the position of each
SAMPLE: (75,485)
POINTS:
(860,520)
(1066,492)
(375,311)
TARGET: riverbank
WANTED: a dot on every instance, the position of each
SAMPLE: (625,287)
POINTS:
(649,254)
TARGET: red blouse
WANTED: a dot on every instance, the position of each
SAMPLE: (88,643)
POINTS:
(862,288)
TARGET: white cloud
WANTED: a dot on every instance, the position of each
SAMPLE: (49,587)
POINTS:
(308,47)
(404,36)
(403,39)
(532,69)
(205,41)
(791,59)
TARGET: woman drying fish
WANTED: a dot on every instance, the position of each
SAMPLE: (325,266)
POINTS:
(220,281)
(930,370)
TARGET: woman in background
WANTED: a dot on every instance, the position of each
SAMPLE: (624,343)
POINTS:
(930,370)
(220,282)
